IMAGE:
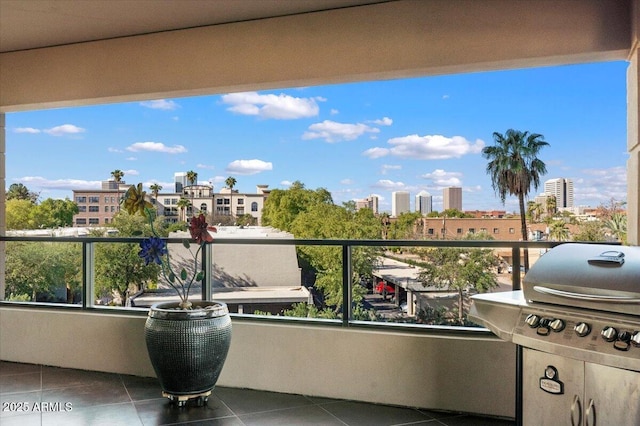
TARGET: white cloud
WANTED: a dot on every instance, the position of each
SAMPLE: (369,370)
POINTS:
(205,166)
(445,96)
(163,104)
(374,153)
(332,131)
(386,167)
(334,111)
(428,147)
(384,121)
(389,185)
(131,158)
(156,147)
(65,129)
(130,172)
(59,184)
(116,150)
(443,179)
(280,107)
(248,167)
(286,183)
(346,182)
(599,186)
(26,130)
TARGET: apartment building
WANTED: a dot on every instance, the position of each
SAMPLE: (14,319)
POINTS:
(370,202)
(452,198)
(96,207)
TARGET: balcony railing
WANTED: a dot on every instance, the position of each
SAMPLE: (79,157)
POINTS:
(85,248)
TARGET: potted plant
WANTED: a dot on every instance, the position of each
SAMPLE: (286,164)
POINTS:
(187,341)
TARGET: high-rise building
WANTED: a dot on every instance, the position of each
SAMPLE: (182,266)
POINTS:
(180,179)
(370,202)
(424,203)
(399,203)
(452,198)
(562,189)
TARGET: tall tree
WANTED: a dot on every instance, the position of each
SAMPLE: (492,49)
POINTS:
(117,176)
(559,231)
(18,191)
(155,189)
(284,205)
(515,168)
(231,182)
(617,226)
(551,205)
(459,269)
(192,177)
(183,204)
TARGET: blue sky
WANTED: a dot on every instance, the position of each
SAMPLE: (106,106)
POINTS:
(353,139)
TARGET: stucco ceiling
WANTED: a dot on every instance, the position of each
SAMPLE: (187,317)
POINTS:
(30,24)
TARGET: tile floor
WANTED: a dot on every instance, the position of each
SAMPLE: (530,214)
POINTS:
(75,397)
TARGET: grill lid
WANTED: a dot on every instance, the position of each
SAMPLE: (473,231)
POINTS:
(591,276)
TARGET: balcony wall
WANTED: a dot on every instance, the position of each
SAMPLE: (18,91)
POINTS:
(443,371)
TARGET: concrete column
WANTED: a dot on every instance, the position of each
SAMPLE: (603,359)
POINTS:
(3,224)
(633,133)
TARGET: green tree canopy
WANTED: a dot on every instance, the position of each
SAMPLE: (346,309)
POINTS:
(283,205)
(18,191)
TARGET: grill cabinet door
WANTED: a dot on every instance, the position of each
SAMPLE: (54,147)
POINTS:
(553,407)
(612,396)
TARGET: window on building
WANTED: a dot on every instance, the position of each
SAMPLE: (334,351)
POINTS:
(94,221)
(81,199)
(496,230)
(219,201)
(167,201)
(203,207)
(106,200)
(106,209)
(106,220)
(81,221)
(512,231)
(239,211)
(254,207)
(430,231)
(94,209)
(483,229)
(174,201)
(240,200)
(113,209)
(82,209)
(94,199)
(472,230)
(227,201)
(459,231)
(113,200)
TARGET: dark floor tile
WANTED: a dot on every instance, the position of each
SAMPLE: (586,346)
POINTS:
(141,388)
(26,382)
(246,401)
(161,412)
(360,413)
(19,404)
(476,421)
(54,377)
(100,393)
(7,367)
(310,415)
(104,415)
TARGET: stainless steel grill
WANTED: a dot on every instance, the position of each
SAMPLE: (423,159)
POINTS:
(578,320)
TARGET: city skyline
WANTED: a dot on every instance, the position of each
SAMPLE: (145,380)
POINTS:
(355,140)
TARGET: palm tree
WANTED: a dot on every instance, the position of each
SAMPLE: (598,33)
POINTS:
(155,188)
(551,205)
(183,203)
(117,175)
(514,168)
(192,177)
(230,182)
(533,210)
(559,231)
(617,226)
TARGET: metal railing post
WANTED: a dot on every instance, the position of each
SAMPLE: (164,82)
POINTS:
(346,285)
(88,274)
(515,277)
(207,267)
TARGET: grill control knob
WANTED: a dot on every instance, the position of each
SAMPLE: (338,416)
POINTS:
(556,325)
(635,339)
(582,329)
(609,334)
(624,341)
(532,320)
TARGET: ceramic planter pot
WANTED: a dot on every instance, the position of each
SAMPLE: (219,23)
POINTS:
(188,348)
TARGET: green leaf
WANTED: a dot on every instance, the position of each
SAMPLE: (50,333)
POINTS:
(200,276)
(186,243)
(172,277)
(183,274)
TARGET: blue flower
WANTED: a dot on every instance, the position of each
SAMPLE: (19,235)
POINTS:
(152,249)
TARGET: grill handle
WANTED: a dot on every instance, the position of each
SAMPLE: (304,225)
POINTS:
(581,296)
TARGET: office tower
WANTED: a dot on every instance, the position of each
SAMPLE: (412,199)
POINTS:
(562,189)
(399,203)
(180,179)
(452,198)
(423,203)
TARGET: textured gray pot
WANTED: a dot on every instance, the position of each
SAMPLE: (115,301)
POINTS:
(188,348)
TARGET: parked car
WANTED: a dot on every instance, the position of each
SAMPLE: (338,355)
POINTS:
(510,269)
